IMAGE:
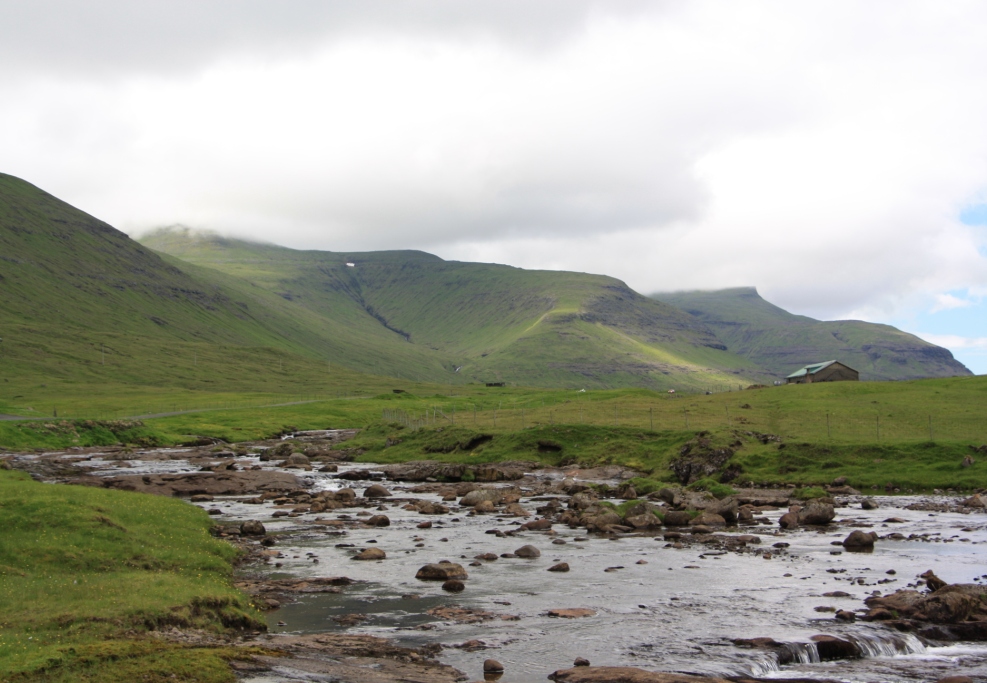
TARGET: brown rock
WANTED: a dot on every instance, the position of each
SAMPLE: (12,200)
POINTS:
(708,519)
(376,491)
(816,513)
(677,518)
(975,501)
(252,528)
(442,571)
(515,510)
(370,554)
(297,460)
(860,540)
(831,647)
(225,483)
(648,520)
(491,666)
(454,586)
(528,551)
(570,613)
(484,506)
(477,495)
(537,525)
(560,567)
(789,520)
(378,520)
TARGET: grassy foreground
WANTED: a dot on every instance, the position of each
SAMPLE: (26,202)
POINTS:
(86,573)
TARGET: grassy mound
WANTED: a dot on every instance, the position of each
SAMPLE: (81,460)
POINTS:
(86,574)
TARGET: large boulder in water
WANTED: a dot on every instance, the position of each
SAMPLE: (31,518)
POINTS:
(376,491)
(442,571)
(789,520)
(252,528)
(477,495)
(831,648)
(859,540)
(816,513)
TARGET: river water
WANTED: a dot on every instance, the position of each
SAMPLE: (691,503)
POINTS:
(657,607)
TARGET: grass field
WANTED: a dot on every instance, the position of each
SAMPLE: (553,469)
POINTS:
(913,433)
(85,573)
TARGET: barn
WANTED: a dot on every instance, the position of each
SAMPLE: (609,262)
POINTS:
(829,371)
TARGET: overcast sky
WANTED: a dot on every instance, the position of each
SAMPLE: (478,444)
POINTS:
(833,154)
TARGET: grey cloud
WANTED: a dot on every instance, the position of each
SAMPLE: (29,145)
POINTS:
(100,38)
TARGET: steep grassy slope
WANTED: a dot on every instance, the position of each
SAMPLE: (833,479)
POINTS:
(780,342)
(486,322)
(84,309)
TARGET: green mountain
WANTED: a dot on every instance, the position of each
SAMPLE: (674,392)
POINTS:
(780,342)
(84,308)
(482,322)
(82,304)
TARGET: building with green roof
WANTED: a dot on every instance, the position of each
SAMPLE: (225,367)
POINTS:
(827,371)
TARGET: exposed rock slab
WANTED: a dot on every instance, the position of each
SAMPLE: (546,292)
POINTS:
(356,659)
(224,483)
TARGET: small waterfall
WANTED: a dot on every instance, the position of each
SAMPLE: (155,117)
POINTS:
(869,644)
(887,644)
(803,653)
(763,664)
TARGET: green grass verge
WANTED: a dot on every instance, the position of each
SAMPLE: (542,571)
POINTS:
(86,573)
(874,433)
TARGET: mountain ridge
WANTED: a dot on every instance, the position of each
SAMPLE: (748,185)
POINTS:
(780,342)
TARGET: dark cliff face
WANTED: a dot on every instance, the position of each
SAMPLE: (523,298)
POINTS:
(781,342)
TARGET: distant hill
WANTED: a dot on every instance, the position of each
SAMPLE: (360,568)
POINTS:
(780,342)
(82,304)
(489,323)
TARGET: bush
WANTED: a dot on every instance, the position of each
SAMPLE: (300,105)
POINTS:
(714,487)
(644,486)
(809,493)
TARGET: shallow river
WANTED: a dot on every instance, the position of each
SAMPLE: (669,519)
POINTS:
(678,610)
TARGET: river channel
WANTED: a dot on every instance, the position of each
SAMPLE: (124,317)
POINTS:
(653,606)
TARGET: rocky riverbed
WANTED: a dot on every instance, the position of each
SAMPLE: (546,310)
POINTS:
(373,573)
